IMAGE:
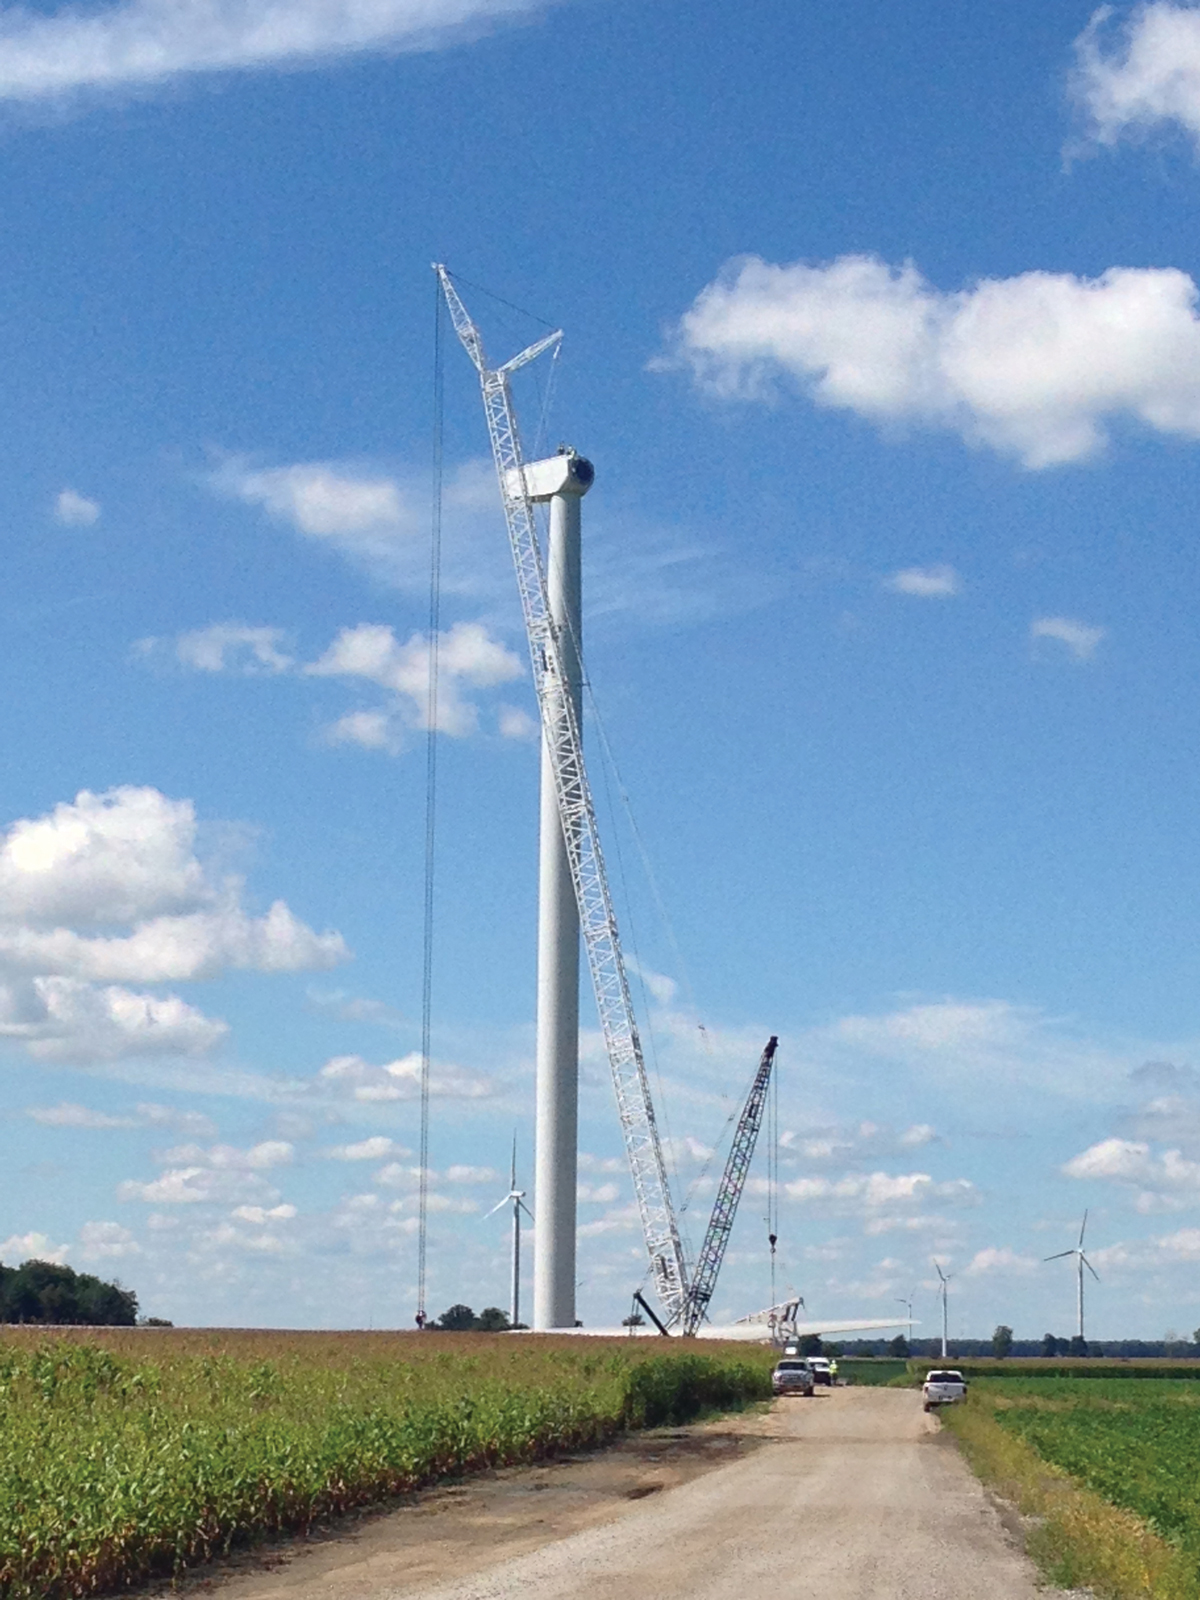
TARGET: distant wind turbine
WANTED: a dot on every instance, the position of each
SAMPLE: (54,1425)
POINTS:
(945,1314)
(1081,1261)
(517,1197)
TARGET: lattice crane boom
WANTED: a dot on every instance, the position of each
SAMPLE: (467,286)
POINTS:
(729,1193)
(561,731)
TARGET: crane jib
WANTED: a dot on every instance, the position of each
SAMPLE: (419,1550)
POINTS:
(564,744)
(729,1193)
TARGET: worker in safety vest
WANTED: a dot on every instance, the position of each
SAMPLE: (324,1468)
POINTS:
(832,1369)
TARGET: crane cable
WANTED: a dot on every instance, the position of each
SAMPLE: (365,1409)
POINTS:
(772,1218)
(431,708)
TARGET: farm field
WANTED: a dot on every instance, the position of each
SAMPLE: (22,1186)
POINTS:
(1132,1444)
(134,1452)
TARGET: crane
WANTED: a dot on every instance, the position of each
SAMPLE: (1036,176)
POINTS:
(729,1193)
(561,731)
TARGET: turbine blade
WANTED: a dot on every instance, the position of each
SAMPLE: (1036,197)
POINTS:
(495,1208)
(513,1184)
(1090,1268)
(526,1210)
(1082,1226)
(1059,1256)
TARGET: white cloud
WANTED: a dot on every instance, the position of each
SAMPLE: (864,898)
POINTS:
(981,1042)
(868,1191)
(461,1174)
(621,1219)
(1148,76)
(597,1194)
(102,858)
(925,583)
(71,509)
(1033,366)
(920,1133)
(259,1215)
(258,1158)
(199,1185)
(399,1080)
(63,1019)
(514,723)
(1001,1261)
(126,857)
(1183,1245)
(380,520)
(467,654)
(143,42)
(1080,639)
(1166,1182)
(373,1149)
(233,647)
(591,1163)
(20,1247)
(107,1241)
(68,1114)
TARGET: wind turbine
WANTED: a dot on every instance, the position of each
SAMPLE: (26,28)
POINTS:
(517,1197)
(1081,1261)
(945,1314)
(907,1300)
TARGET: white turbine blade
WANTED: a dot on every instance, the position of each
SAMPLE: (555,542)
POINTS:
(525,1209)
(1089,1266)
(1082,1226)
(496,1208)
(1059,1256)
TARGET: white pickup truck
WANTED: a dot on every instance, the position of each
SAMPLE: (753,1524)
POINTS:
(942,1388)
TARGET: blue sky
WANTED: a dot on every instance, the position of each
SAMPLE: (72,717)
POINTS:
(882,333)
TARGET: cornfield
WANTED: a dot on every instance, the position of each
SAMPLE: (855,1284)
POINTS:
(132,1454)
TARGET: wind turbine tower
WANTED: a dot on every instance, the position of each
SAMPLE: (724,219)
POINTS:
(561,481)
(1081,1261)
(517,1197)
(945,1309)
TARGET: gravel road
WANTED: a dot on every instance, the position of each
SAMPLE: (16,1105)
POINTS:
(856,1497)
(853,1495)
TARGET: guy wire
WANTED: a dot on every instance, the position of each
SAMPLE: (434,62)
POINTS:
(431,708)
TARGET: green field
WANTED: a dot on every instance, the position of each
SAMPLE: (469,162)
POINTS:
(137,1452)
(1130,1444)
(874,1370)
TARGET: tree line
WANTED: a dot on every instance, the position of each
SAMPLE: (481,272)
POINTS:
(40,1291)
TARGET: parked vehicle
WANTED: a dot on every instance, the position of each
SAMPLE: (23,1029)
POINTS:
(822,1371)
(943,1388)
(793,1376)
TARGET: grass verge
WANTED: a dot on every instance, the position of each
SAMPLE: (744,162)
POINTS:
(1079,1540)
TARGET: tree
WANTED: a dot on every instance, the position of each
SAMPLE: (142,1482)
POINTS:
(1049,1345)
(1079,1346)
(810,1345)
(42,1291)
(458,1319)
(491,1320)
(899,1347)
(1002,1342)
(637,1320)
